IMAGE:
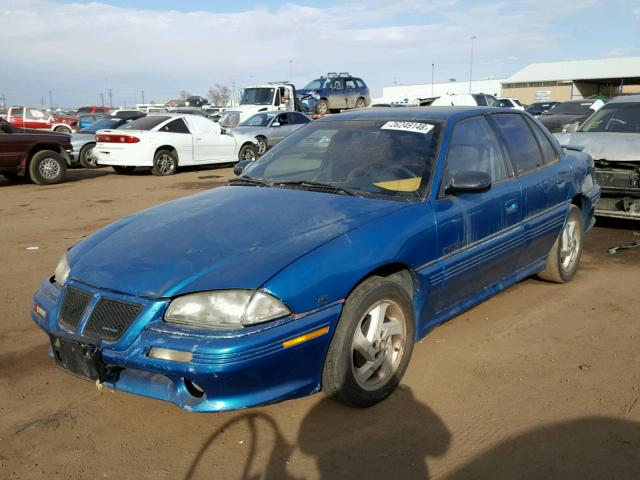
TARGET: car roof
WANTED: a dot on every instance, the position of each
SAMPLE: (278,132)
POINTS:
(438,114)
(626,98)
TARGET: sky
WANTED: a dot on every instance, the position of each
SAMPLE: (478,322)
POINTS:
(72,52)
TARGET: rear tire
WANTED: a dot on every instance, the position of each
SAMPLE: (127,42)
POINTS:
(47,167)
(564,256)
(165,163)
(63,129)
(122,169)
(372,344)
(247,152)
(86,158)
(361,103)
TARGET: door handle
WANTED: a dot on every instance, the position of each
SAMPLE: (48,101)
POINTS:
(511,206)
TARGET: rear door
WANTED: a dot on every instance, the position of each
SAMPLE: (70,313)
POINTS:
(545,183)
(15,116)
(479,234)
(351,92)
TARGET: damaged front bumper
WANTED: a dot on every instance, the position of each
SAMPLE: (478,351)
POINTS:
(620,185)
(198,370)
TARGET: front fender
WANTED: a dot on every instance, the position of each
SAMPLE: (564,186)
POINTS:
(329,273)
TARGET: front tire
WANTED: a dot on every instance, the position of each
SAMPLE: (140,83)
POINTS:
(86,158)
(47,167)
(372,344)
(322,106)
(165,163)
(262,145)
(564,256)
(247,152)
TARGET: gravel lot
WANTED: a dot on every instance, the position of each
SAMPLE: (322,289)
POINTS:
(540,382)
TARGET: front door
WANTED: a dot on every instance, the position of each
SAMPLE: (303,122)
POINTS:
(479,234)
(338,98)
(35,118)
(11,148)
(210,145)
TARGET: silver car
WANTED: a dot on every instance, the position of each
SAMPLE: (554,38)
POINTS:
(84,140)
(269,128)
(612,137)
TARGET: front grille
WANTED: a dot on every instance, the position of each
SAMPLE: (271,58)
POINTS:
(74,305)
(110,318)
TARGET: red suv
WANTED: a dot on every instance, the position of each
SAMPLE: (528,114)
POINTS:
(88,109)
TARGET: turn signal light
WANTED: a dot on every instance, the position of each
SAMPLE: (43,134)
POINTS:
(116,139)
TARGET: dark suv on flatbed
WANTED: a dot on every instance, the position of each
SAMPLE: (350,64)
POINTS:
(33,154)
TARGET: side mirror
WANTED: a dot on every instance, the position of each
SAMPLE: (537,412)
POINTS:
(241,166)
(275,124)
(469,181)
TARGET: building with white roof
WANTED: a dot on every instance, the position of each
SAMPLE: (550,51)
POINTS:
(569,80)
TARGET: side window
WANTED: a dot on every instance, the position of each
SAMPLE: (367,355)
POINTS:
(350,83)
(296,119)
(337,85)
(177,126)
(282,118)
(521,145)
(549,153)
(480,100)
(35,114)
(474,147)
(359,83)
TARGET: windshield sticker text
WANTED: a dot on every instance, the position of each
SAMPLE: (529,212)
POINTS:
(416,127)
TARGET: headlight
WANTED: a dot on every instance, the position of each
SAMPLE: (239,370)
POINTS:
(225,309)
(570,127)
(62,270)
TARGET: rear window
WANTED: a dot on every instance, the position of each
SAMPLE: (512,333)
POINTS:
(145,123)
(521,145)
(573,108)
(102,124)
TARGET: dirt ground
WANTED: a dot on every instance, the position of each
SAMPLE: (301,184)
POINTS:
(540,382)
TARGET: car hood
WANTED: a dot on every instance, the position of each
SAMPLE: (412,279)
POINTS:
(247,130)
(562,119)
(228,237)
(621,147)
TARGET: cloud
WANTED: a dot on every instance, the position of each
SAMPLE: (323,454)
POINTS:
(80,50)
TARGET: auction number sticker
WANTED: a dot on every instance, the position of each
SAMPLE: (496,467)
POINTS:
(417,127)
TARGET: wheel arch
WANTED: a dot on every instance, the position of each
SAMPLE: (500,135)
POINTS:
(169,148)
(584,204)
(397,272)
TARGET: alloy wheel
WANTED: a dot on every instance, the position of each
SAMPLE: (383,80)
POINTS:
(49,168)
(569,245)
(378,345)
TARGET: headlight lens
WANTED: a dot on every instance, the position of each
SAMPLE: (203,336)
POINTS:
(62,270)
(225,309)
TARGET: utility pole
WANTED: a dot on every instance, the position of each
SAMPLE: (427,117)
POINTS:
(471,62)
(102,98)
(142,96)
(433,66)
(4,101)
(51,99)
(110,98)
(233,90)
(290,69)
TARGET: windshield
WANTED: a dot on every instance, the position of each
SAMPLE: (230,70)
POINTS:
(101,125)
(318,84)
(380,158)
(615,117)
(257,96)
(145,123)
(572,108)
(258,120)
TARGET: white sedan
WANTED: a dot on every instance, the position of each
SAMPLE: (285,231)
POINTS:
(166,141)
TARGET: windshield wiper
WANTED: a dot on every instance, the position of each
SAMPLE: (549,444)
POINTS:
(320,187)
(249,181)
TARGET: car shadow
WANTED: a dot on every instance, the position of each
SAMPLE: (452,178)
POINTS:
(72,175)
(585,448)
(390,440)
(396,438)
